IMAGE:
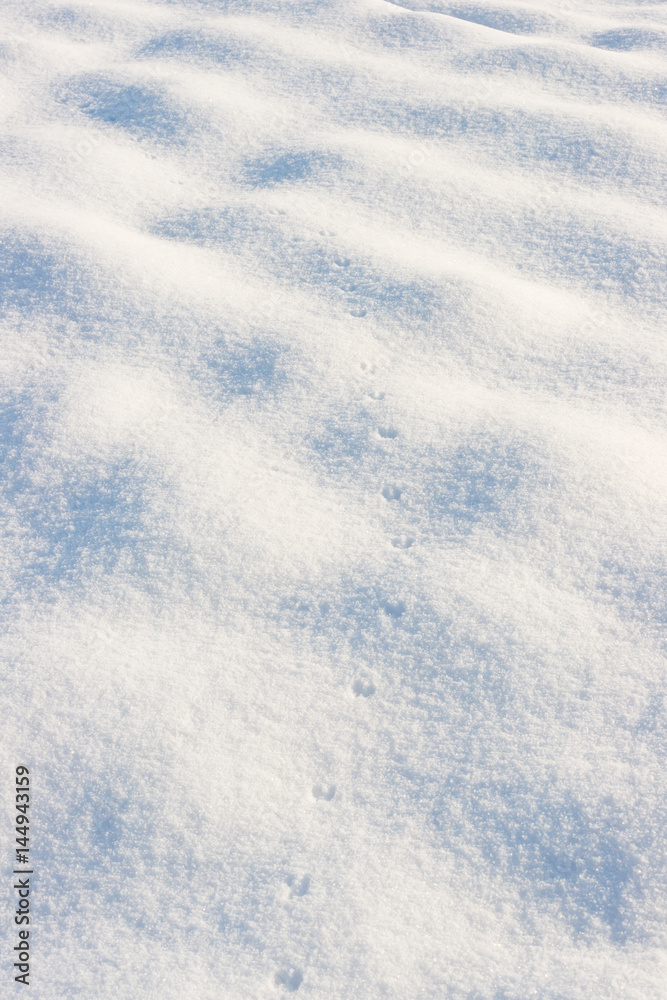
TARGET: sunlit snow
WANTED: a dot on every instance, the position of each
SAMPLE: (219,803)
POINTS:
(334,496)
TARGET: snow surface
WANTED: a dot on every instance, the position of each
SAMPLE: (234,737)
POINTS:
(333,426)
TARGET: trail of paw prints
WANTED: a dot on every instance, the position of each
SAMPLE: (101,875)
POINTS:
(391,492)
(296,888)
(376,395)
(290,979)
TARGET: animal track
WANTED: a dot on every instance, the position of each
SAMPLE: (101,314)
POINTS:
(363,688)
(403,542)
(325,792)
(391,493)
(394,608)
(376,395)
(291,979)
(387,432)
(358,312)
(342,261)
(298,887)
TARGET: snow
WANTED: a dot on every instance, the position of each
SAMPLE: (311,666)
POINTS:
(334,513)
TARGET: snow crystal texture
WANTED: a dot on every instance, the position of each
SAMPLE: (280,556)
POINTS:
(334,515)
